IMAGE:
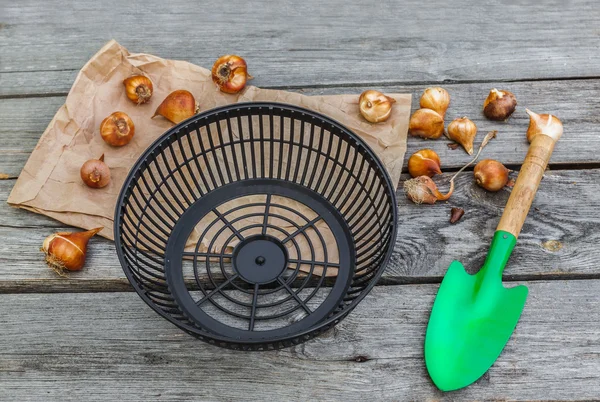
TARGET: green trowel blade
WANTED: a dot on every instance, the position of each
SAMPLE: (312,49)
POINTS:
(473,317)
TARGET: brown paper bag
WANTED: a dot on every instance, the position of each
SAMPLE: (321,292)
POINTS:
(50,183)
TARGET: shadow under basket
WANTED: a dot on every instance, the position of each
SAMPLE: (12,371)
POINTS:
(256,226)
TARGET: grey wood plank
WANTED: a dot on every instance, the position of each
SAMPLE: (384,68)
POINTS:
(19,218)
(11,163)
(565,210)
(19,84)
(317,42)
(23,120)
(110,346)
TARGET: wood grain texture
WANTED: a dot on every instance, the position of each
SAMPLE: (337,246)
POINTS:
(23,120)
(313,42)
(110,346)
(427,243)
(560,238)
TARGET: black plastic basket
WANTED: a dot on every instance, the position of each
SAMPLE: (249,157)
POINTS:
(256,226)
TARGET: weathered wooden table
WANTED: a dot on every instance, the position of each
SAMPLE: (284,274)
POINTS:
(91,337)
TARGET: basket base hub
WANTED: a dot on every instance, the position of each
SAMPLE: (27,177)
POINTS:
(260,259)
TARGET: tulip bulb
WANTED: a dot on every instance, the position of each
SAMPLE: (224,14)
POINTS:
(422,190)
(437,99)
(178,106)
(66,251)
(463,131)
(117,129)
(375,106)
(499,104)
(425,162)
(426,123)
(230,73)
(546,124)
(491,175)
(138,89)
(95,173)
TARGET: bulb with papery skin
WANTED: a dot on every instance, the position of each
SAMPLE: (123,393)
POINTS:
(374,106)
(426,123)
(138,89)
(424,162)
(66,251)
(546,124)
(491,175)
(230,73)
(435,98)
(117,129)
(463,131)
(178,106)
(423,190)
(499,104)
(95,173)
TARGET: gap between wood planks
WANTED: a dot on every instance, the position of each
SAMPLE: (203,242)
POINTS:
(517,167)
(61,285)
(514,167)
(382,84)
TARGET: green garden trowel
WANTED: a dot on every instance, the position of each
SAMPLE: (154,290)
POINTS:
(473,316)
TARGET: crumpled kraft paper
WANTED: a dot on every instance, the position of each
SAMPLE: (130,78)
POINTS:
(50,183)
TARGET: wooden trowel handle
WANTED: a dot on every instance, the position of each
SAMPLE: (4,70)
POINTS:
(528,181)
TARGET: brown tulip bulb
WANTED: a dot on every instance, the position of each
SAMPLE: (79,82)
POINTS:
(463,131)
(491,175)
(546,124)
(435,98)
(424,162)
(499,104)
(426,123)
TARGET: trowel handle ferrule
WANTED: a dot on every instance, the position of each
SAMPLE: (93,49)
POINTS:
(527,184)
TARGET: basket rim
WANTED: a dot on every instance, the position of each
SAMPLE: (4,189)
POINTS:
(250,105)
